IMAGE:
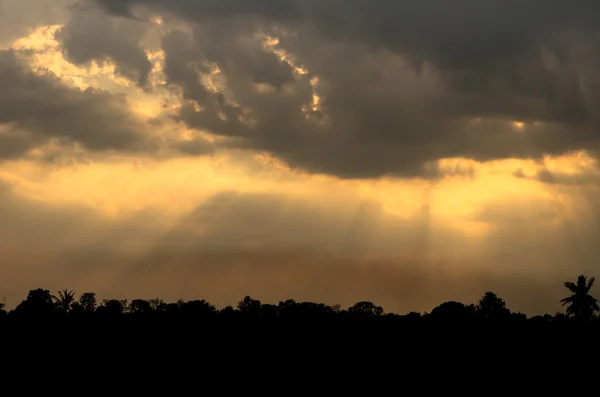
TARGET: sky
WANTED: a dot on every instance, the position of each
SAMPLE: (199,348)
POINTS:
(405,153)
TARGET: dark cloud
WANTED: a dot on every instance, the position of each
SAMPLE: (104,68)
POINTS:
(45,108)
(94,36)
(209,9)
(401,82)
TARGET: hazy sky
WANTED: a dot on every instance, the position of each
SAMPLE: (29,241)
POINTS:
(403,152)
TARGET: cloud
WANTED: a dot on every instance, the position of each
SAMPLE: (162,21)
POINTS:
(93,36)
(400,84)
(44,108)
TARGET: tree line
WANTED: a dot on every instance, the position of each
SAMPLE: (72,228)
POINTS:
(40,305)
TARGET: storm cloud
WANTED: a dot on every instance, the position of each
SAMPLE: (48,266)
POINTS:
(401,84)
(35,108)
(93,36)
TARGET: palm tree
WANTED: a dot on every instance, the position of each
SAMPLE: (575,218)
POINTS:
(64,300)
(581,304)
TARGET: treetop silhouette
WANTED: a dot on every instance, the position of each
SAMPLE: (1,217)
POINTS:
(41,305)
(582,305)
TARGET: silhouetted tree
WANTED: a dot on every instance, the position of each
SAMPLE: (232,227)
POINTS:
(268,310)
(38,304)
(64,300)
(157,304)
(366,308)
(305,310)
(198,309)
(522,316)
(581,304)
(140,306)
(413,316)
(286,306)
(228,312)
(453,311)
(250,306)
(112,307)
(491,307)
(172,309)
(87,300)
(76,308)
(559,317)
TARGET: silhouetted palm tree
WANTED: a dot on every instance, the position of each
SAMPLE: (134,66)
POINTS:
(64,300)
(581,304)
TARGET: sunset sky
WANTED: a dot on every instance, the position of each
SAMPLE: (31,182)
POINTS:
(403,152)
